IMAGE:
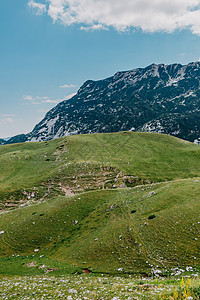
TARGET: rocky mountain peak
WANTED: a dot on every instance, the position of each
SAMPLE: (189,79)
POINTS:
(159,98)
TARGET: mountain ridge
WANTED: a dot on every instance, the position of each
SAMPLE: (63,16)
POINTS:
(159,98)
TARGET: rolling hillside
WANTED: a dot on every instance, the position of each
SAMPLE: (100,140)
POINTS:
(138,229)
(123,202)
(87,162)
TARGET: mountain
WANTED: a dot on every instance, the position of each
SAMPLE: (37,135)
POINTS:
(159,98)
(2,141)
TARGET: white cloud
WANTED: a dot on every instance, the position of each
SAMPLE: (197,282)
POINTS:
(6,121)
(9,115)
(51,101)
(67,86)
(150,16)
(34,100)
(28,97)
(39,8)
(40,100)
(94,27)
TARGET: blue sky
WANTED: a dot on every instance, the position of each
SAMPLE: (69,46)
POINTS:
(49,48)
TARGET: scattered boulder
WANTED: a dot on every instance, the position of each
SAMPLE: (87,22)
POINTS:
(86,271)
(151,194)
(43,267)
(122,186)
(51,270)
(32,265)
(151,217)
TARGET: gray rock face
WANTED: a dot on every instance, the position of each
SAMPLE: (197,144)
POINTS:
(158,98)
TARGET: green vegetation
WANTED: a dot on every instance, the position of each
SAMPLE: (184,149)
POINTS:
(123,203)
(97,229)
(34,171)
(98,287)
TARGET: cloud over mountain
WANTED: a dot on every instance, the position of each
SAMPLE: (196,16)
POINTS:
(150,16)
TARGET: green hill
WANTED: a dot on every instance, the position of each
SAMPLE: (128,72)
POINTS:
(87,162)
(102,226)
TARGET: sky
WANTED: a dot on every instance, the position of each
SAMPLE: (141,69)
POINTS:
(49,48)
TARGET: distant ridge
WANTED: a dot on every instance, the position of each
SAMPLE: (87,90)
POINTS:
(159,98)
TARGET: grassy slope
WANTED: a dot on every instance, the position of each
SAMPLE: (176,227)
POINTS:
(153,156)
(27,164)
(149,156)
(107,236)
